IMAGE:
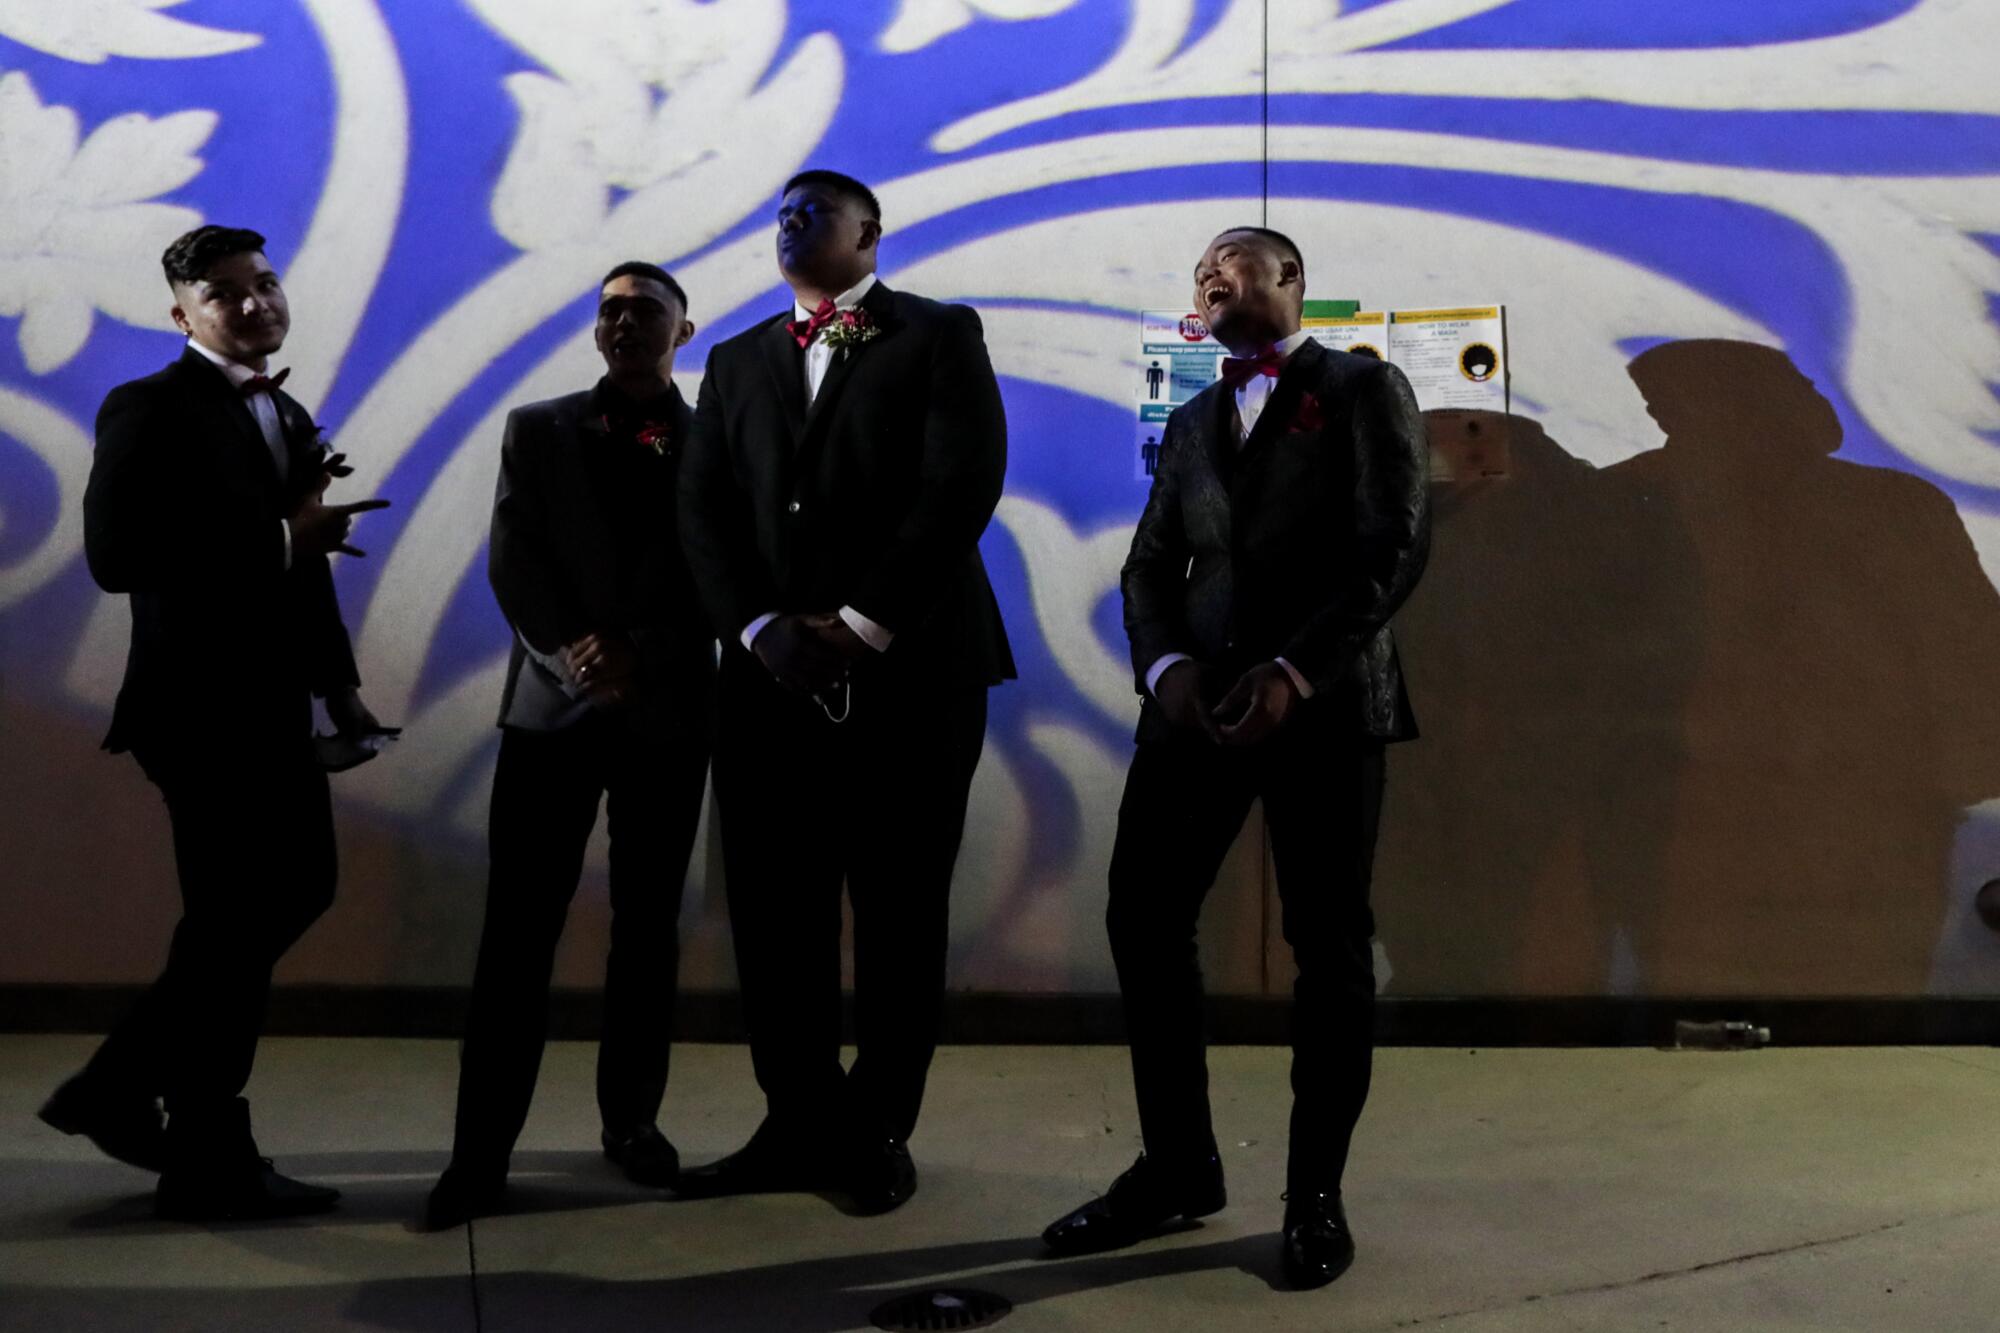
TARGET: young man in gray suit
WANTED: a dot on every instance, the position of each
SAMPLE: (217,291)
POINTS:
(1287,522)
(608,697)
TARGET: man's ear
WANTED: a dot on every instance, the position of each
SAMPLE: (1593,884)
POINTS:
(1291,271)
(871,233)
(686,333)
(180,319)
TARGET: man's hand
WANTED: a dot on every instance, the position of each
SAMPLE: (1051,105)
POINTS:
(319,528)
(1255,706)
(838,635)
(606,667)
(798,655)
(1184,690)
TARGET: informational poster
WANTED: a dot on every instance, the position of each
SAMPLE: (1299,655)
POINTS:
(1363,332)
(1454,358)
(1178,358)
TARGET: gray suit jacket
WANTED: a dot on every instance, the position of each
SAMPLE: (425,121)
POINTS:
(554,565)
(1301,544)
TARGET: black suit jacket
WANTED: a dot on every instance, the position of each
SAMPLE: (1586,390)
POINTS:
(874,498)
(183,511)
(554,562)
(1301,544)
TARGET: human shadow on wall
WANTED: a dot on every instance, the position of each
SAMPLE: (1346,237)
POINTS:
(1704,722)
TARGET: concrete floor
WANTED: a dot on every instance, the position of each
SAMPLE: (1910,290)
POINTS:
(1493,1189)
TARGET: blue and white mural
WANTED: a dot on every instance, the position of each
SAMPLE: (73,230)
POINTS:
(443,182)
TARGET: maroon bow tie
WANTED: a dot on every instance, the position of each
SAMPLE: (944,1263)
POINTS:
(1237,372)
(264,383)
(805,330)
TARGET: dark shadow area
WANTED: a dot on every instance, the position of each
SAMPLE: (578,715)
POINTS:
(811,1296)
(375,1187)
(1704,722)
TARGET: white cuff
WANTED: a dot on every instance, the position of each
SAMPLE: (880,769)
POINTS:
(756,627)
(1305,688)
(556,664)
(1159,669)
(286,524)
(872,634)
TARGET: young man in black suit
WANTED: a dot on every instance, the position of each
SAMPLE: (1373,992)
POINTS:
(205,505)
(609,695)
(1287,522)
(846,457)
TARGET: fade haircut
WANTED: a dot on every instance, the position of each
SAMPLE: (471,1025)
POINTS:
(1286,247)
(639,268)
(191,256)
(845,186)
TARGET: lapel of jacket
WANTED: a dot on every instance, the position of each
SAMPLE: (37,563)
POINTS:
(295,424)
(225,404)
(880,305)
(1302,368)
(579,425)
(786,363)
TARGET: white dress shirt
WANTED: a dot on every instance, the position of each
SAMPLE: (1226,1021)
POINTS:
(1250,400)
(818,358)
(265,410)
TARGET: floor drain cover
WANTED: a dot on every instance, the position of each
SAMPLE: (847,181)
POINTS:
(927,1310)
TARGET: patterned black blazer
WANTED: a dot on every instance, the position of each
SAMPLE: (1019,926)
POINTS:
(1299,544)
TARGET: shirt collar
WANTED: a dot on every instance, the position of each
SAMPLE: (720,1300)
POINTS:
(238,373)
(847,300)
(1284,347)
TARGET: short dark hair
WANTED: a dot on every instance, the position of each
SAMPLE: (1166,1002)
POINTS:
(1277,240)
(192,254)
(843,185)
(639,268)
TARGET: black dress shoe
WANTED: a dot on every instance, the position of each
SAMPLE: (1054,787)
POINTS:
(881,1176)
(1140,1203)
(773,1161)
(126,1126)
(461,1195)
(237,1194)
(1318,1245)
(645,1156)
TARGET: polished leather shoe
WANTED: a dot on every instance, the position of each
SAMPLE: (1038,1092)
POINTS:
(881,1176)
(1139,1204)
(461,1195)
(771,1162)
(644,1155)
(1318,1245)
(238,1193)
(128,1127)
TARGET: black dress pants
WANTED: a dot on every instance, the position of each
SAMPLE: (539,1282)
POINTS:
(876,802)
(1185,801)
(254,850)
(546,790)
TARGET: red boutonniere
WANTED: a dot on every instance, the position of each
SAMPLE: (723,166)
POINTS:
(850,328)
(655,436)
(1306,417)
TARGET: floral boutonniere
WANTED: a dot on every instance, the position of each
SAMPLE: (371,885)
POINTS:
(655,436)
(1306,416)
(311,441)
(850,328)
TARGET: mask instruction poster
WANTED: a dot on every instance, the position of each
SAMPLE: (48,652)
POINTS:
(1454,357)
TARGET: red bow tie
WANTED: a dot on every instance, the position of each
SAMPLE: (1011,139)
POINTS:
(1237,372)
(805,330)
(264,383)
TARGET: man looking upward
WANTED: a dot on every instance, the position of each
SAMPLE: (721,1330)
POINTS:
(1286,523)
